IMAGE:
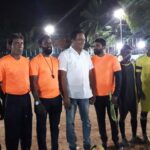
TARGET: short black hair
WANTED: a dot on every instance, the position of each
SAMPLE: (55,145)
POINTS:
(74,34)
(101,40)
(43,37)
(14,36)
(126,47)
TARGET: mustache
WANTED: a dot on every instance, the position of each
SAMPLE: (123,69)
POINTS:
(47,48)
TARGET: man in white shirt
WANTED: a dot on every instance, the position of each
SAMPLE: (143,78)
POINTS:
(76,72)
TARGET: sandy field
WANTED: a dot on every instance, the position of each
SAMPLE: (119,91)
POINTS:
(78,127)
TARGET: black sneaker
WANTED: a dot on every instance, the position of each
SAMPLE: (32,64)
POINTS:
(87,147)
(125,142)
(146,139)
(136,140)
(118,146)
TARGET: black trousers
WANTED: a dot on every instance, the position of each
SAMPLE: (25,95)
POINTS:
(124,108)
(143,120)
(18,121)
(102,103)
(53,107)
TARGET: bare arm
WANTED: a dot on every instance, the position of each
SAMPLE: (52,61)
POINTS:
(92,85)
(63,80)
(118,78)
(92,82)
(39,107)
(60,85)
(33,81)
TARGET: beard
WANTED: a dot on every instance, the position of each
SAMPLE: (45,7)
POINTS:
(98,51)
(47,50)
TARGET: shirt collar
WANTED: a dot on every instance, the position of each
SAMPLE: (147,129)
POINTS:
(74,51)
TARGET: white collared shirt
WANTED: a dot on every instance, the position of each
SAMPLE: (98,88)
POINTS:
(77,67)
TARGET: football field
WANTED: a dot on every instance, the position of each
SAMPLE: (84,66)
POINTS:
(78,127)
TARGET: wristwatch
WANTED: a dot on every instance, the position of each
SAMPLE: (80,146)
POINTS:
(37,102)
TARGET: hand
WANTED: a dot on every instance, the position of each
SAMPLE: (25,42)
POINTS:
(66,102)
(40,109)
(115,100)
(92,100)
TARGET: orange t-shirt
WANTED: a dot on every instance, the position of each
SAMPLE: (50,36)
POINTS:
(14,75)
(48,87)
(104,68)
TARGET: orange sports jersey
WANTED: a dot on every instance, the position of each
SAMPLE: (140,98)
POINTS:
(14,75)
(48,87)
(104,68)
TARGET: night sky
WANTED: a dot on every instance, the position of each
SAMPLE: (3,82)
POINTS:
(23,15)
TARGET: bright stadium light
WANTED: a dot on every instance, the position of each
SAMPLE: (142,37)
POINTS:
(49,29)
(141,44)
(119,13)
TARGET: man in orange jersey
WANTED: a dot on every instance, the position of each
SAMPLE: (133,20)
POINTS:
(45,89)
(14,79)
(106,67)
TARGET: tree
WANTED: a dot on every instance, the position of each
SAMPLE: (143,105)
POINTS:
(94,19)
(138,15)
(32,37)
(98,22)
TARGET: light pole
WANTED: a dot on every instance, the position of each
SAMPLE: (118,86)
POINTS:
(120,14)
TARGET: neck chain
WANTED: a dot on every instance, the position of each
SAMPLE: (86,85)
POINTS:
(126,64)
(51,69)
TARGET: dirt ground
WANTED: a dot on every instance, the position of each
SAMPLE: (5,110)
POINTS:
(94,133)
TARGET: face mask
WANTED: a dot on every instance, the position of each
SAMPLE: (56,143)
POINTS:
(98,51)
(47,51)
